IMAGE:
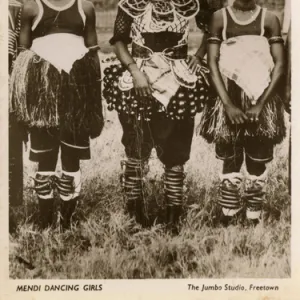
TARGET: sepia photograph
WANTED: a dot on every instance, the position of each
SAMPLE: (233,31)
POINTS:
(150,139)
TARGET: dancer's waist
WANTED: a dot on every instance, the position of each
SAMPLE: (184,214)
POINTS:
(171,53)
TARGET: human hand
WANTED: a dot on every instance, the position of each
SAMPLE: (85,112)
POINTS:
(253,112)
(235,115)
(141,84)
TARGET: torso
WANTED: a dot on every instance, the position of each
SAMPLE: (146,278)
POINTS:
(233,27)
(161,24)
(51,19)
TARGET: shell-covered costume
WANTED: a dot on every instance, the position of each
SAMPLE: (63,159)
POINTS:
(159,33)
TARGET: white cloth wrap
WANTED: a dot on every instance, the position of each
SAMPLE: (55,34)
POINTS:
(247,60)
(67,49)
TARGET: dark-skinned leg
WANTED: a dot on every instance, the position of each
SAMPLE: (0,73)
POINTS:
(44,150)
(258,154)
(69,185)
(229,198)
(255,189)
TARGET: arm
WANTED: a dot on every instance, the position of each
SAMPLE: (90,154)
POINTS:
(140,80)
(196,60)
(277,52)
(203,20)
(288,71)
(235,115)
(29,12)
(121,39)
(90,34)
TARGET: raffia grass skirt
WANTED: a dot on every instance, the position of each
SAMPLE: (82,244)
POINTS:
(215,126)
(41,96)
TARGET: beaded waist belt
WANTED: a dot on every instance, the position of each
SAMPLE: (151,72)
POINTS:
(172,53)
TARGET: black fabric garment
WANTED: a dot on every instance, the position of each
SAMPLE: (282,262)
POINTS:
(46,141)
(54,21)
(172,139)
(122,28)
(234,29)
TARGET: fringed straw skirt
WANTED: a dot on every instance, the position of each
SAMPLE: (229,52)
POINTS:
(42,97)
(215,126)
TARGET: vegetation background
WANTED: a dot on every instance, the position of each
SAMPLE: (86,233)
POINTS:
(106,244)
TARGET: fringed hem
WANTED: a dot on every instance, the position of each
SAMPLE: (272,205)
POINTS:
(40,96)
(216,128)
(184,104)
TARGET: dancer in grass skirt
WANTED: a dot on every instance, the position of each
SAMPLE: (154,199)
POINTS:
(55,91)
(245,56)
(157,91)
(17,132)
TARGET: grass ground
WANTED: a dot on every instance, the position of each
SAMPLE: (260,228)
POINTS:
(105,243)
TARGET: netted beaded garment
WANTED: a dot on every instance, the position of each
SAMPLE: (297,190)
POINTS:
(159,33)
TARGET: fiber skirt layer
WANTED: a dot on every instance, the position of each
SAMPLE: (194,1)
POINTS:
(42,97)
(215,126)
(185,103)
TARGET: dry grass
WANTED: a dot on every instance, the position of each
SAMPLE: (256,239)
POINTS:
(106,244)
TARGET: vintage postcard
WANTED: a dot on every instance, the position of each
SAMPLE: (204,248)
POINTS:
(149,149)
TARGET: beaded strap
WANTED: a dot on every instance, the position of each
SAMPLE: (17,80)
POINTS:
(214,40)
(94,48)
(172,53)
(276,39)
